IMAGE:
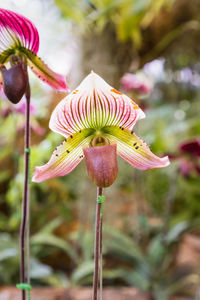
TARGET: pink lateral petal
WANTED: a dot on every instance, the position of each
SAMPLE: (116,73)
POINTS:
(94,104)
(133,150)
(51,170)
(17,30)
(43,72)
(64,158)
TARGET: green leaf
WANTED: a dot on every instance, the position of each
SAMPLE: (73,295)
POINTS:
(137,279)
(176,231)
(121,244)
(8,247)
(39,270)
(51,226)
(71,10)
(157,250)
(82,272)
(51,240)
(114,274)
(4,175)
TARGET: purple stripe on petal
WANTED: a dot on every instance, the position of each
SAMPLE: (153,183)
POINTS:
(19,27)
(28,32)
(19,30)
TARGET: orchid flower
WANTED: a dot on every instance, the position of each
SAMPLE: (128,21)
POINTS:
(92,113)
(138,83)
(18,36)
(188,157)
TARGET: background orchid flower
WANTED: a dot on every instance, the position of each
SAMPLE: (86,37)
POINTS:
(138,83)
(188,157)
(19,108)
(18,36)
(92,113)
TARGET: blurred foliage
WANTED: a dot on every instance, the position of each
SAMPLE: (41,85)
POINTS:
(129,17)
(62,244)
(146,213)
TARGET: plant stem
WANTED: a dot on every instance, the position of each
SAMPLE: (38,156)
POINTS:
(25,202)
(97,245)
(101,259)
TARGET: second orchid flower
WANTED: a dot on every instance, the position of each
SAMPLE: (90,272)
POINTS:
(19,38)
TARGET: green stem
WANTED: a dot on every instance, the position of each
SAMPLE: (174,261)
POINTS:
(97,245)
(101,255)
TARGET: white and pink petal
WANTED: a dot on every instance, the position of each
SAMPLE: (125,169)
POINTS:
(94,104)
(64,158)
(134,150)
(17,31)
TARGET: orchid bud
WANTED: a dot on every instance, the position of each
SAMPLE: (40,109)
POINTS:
(15,82)
(101,163)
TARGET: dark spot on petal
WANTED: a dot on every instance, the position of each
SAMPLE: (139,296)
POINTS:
(81,156)
(71,136)
(56,154)
(122,128)
(136,147)
(134,144)
(67,151)
(80,131)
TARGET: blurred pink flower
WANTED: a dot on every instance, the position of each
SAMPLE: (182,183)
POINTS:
(5,112)
(38,129)
(138,83)
(186,167)
(35,127)
(21,108)
(188,157)
(191,147)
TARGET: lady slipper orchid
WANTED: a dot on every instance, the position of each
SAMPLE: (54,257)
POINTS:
(19,38)
(93,115)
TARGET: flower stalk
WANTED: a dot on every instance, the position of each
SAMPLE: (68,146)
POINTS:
(97,243)
(101,256)
(25,204)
